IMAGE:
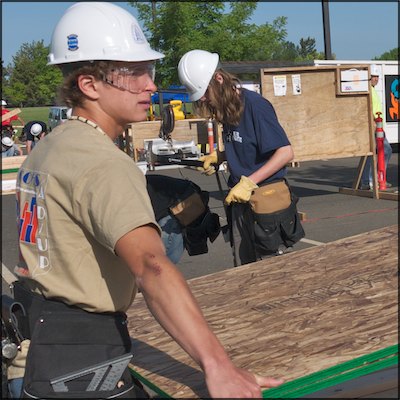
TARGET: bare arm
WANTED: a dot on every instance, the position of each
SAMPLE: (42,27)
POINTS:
(171,302)
(28,146)
(281,157)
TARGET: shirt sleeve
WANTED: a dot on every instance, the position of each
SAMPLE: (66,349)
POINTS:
(111,200)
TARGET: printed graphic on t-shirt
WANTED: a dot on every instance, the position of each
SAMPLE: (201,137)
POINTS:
(233,136)
(32,214)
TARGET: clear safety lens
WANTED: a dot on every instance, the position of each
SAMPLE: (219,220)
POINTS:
(126,78)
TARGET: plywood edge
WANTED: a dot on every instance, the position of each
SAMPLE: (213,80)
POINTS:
(380,384)
(338,374)
(8,163)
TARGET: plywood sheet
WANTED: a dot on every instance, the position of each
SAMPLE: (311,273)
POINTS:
(9,163)
(320,123)
(287,316)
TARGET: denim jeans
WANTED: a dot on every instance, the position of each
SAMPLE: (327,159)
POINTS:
(15,387)
(172,237)
(366,177)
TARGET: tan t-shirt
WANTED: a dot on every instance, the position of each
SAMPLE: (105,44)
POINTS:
(77,195)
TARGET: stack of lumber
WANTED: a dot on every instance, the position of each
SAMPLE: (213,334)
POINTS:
(311,317)
(9,171)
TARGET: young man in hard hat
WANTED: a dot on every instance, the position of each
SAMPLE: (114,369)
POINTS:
(367,181)
(255,146)
(9,148)
(33,132)
(84,252)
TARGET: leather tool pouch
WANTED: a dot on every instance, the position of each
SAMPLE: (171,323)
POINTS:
(65,340)
(276,220)
(189,209)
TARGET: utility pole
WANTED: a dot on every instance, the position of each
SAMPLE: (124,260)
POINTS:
(327,30)
(153,11)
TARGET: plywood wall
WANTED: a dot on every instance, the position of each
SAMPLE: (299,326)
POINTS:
(320,122)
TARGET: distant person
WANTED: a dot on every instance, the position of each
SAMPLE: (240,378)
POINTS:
(367,181)
(8,121)
(33,132)
(7,130)
(257,150)
(9,148)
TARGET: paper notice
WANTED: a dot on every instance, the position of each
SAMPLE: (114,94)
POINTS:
(296,83)
(280,85)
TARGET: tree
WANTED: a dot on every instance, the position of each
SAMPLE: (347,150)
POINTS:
(306,50)
(29,82)
(174,28)
(389,55)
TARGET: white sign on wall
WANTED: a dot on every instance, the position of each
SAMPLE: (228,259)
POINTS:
(353,80)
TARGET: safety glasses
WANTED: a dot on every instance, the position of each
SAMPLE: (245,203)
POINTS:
(127,77)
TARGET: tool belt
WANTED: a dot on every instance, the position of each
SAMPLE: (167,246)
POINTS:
(188,204)
(276,220)
(74,353)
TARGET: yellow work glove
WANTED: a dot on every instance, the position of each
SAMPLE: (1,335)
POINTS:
(211,162)
(241,192)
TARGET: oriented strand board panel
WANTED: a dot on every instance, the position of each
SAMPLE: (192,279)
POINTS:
(321,123)
(286,316)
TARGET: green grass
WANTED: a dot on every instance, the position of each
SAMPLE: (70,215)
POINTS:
(35,113)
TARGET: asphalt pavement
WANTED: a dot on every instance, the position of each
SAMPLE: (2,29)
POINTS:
(329,214)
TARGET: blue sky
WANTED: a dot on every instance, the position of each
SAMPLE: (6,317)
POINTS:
(359,30)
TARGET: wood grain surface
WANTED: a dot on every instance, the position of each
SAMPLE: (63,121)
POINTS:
(320,123)
(286,316)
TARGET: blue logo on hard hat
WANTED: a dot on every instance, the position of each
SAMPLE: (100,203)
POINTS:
(73,42)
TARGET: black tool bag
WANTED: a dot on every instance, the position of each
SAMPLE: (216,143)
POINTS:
(189,205)
(281,228)
(72,352)
(195,235)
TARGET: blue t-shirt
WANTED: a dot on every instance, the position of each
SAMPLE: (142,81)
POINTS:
(252,143)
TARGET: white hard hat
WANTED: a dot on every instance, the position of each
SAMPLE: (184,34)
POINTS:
(36,129)
(3,103)
(375,70)
(7,141)
(195,70)
(99,31)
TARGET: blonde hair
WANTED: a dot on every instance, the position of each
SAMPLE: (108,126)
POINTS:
(224,102)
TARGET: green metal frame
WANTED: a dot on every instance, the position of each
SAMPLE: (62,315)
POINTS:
(312,383)
(340,373)
(9,171)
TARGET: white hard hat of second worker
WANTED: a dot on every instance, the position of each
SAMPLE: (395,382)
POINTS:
(3,103)
(195,70)
(36,129)
(7,141)
(375,70)
(91,31)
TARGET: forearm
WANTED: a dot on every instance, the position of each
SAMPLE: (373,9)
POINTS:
(171,302)
(280,158)
(169,298)
(178,313)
